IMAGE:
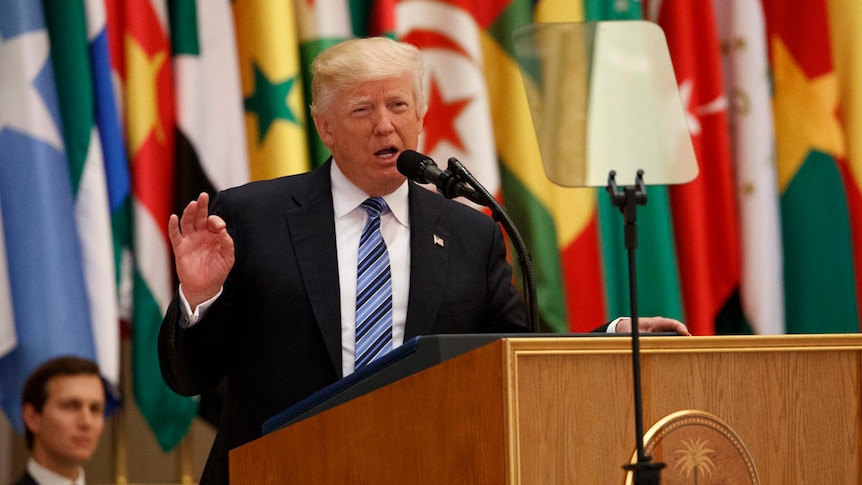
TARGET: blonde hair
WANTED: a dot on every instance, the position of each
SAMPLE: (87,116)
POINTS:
(353,62)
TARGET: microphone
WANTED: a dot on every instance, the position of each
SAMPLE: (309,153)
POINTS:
(422,169)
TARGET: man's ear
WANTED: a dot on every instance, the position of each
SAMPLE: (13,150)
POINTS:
(323,130)
(32,419)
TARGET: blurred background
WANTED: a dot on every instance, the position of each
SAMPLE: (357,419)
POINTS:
(116,113)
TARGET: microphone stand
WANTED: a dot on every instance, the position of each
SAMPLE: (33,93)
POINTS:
(500,215)
(645,472)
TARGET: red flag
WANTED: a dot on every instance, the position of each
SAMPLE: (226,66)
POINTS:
(705,221)
(150,122)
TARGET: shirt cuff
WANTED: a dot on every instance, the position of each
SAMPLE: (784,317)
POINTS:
(612,327)
(189,318)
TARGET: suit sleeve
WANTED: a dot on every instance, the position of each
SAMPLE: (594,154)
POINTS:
(193,360)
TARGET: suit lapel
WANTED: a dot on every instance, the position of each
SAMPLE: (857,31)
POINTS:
(312,233)
(429,261)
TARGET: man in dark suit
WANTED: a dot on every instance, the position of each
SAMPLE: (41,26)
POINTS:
(63,409)
(269,279)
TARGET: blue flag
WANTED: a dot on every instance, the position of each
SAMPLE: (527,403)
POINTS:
(43,252)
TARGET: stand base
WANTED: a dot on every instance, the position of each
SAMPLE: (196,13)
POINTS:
(645,472)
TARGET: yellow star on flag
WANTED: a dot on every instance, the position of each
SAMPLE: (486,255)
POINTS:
(143,98)
(805,114)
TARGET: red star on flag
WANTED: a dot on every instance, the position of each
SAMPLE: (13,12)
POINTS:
(440,120)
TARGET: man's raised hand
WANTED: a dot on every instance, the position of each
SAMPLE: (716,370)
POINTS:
(203,250)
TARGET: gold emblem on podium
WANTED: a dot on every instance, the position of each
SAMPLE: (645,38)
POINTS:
(697,448)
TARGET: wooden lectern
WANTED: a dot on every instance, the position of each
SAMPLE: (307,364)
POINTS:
(560,410)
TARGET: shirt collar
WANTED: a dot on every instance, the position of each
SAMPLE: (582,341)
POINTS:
(44,476)
(346,197)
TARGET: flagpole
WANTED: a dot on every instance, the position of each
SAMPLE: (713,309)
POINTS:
(120,433)
(184,460)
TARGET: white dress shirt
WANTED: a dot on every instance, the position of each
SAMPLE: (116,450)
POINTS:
(349,221)
(44,476)
(395,227)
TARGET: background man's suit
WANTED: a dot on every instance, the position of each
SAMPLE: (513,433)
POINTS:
(25,479)
(275,331)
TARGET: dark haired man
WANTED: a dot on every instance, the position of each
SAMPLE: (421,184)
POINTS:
(63,408)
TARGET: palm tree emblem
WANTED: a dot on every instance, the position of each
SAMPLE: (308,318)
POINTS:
(694,459)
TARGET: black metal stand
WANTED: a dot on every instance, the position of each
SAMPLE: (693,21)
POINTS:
(645,471)
(500,215)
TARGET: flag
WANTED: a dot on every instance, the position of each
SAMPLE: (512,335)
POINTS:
(558,224)
(67,27)
(211,155)
(117,178)
(458,123)
(742,32)
(272,88)
(145,68)
(49,299)
(705,223)
(845,16)
(322,24)
(8,339)
(210,145)
(657,284)
(819,283)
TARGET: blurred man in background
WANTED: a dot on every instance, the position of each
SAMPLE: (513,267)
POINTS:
(63,408)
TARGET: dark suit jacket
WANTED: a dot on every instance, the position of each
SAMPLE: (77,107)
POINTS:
(276,330)
(25,479)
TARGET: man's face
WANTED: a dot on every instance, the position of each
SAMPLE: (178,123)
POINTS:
(367,127)
(67,431)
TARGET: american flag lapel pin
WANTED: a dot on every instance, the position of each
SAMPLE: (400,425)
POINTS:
(438,241)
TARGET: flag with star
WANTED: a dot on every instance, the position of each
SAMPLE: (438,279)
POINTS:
(742,32)
(210,151)
(820,288)
(458,123)
(145,69)
(269,67)
(845,16)
(43,251)
(705,222)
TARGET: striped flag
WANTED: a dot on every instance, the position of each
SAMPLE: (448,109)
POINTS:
(820,288)
(145,68)
(558,224)
(269,66)
(321,24)
(210,152)
(658,285)
(51,308)
(845,17)
(704,210)
(117,177)
(67,27)
(742,31)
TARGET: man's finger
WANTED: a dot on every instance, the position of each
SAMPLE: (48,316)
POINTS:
(174,230)
(202,211)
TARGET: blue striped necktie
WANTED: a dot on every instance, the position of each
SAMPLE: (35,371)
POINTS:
(373,289)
